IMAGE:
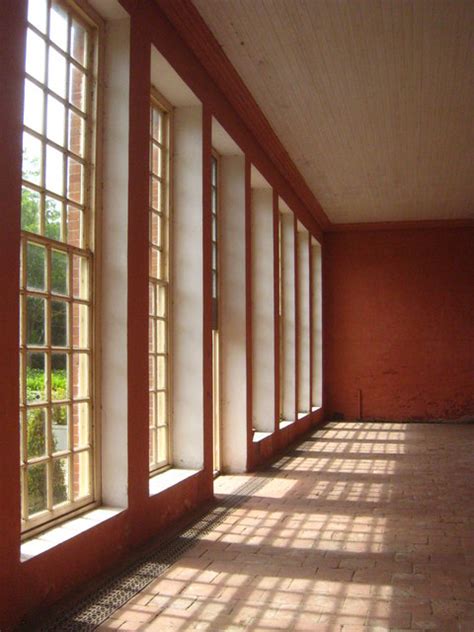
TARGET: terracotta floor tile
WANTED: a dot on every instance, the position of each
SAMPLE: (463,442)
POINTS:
(363,527)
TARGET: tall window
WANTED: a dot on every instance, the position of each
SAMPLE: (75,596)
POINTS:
(215,312)
(57,262)
(160,129)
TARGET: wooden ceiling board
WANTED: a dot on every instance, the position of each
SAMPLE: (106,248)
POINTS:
(372,99)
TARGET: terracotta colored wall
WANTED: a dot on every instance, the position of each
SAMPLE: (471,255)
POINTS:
(399,323)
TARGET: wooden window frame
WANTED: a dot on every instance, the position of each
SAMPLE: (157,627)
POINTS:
(90,161)
(165,177)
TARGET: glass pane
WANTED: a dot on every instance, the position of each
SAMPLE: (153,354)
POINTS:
(155,229)
(59,376)
(161,372)
(214,228)
(60,428)
(80,277)
(55,120)
(37,488)
(80,375)
(151,335)
(60,480)
(81,475)
(156,159)
(54,170)
(78,42)
(57,72)
(53,218)
(22,443)
(58,26)
(156,121)
(151,409)
(35,267)
(151,298)
(33,106)
(155,194)
(75,184)
(76,128)
(36,432)
(35,377)
(35,321)
(214,200)
(161,408)
(160,336)
(161,300)
(77,88)
(35,56)
(30,210)
(151,446)
(37,14)
(31,166)
(151,372)
(214,171)
(81,425)
(80,326)
(59,272)
(155,263)
(59,322)
(74,227)
(162,440)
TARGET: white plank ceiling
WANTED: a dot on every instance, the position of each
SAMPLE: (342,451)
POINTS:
(372,99)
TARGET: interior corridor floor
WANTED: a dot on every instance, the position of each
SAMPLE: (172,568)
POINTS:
(362,526)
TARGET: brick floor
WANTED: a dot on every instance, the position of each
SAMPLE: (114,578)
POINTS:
(364,526)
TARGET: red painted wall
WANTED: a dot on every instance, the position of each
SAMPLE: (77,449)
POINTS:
(399,323)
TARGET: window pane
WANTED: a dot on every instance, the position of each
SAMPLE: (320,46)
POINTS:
(37,10)
(35,377)
(33,107)
(80,277)
(80,326)
(160,300)
(37,488)
(78,42)
(54,170)
(30,210)
(81,475)
(59,272)
(58,26)
(59,322)
(81,425)
(76,133)
(59,376)
(60,428)
(57,72)
(60,480)
(35,267)
(35,321)
(53,210)
(80,375)
(77,88)
(161,372)
(75,181)
(160,336)
(36,432)
(31,166)
(56,120)
(35,56)
(74,226)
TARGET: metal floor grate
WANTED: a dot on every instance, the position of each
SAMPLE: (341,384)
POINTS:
(89,612)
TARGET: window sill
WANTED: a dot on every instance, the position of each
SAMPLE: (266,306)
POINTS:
(160,482)
(285,423)
(303,414)
(66,531)
(260,436)
(314,409)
